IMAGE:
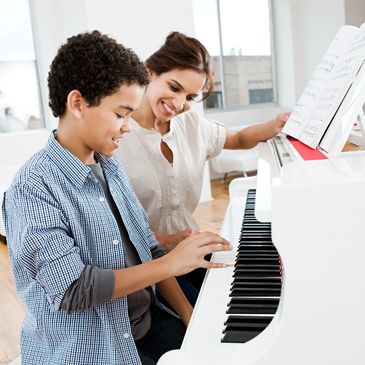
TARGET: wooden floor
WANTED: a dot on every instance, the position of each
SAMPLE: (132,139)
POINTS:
(209,216)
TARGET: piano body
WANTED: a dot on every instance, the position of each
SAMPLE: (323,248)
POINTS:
(316,210)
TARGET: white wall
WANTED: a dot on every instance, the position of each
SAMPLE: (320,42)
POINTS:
(304,30)
(53,22)
(140,24)
(129,22)
(314,24)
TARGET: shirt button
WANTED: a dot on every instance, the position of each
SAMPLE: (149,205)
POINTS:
(115,242)
(101,199)
(126,335)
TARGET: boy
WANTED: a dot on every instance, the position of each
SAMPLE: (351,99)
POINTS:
(84,259)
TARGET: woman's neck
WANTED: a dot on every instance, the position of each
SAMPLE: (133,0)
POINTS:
(145,117)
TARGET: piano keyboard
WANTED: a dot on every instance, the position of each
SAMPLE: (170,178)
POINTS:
(256,287)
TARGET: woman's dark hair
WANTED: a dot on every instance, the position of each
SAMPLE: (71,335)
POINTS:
(95,65)
(182,52)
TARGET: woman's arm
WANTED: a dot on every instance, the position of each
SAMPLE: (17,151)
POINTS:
(250,136)
(173,294)
(169,241)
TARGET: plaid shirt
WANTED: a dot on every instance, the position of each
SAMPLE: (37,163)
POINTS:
(57,221)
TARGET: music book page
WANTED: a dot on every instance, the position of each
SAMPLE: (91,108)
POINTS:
(327,88)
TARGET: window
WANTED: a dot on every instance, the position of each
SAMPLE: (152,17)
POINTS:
(237,34)
(20,107)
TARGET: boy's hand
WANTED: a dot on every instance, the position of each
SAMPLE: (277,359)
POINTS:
(189,253)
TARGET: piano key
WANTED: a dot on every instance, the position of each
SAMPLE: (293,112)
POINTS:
(257,248)
(255,292)
(247,321)
(257,272)
(253,305)
(244,328)
(239,336)
(256,260)
(257,255)
(257,280)
(256,285)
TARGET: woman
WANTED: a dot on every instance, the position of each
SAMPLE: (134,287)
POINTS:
(173,142)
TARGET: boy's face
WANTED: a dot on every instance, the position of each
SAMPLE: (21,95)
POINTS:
(104,125)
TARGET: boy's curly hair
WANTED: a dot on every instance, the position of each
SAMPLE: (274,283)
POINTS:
(94,64)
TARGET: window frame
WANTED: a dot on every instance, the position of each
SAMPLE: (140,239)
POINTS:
(221,68)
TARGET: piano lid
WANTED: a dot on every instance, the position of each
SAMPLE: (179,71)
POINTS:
(331,171)
(280,156)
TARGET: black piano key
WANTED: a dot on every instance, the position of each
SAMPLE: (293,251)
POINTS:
(256,285)
(247,321)
(242,329)
(256,232)
(238,280)
(257,273)
(255,239)
(257,255)
(257,248)
(255,292)
(254,267)
(253,306)
(256,260)
(239,336)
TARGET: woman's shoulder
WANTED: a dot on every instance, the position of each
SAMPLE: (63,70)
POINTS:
(193,120)
(188,121)
(190,115)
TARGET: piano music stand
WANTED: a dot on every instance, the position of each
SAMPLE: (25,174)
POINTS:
(358,136)
(350,109)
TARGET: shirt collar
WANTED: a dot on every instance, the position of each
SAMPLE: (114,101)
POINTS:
(152,133)
(75,170)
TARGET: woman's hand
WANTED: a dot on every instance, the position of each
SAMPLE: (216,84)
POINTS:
(169,241)
(277,124)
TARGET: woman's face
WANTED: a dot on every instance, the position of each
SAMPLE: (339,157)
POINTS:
(173,92)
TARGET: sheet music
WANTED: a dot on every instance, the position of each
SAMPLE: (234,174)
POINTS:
(328,86)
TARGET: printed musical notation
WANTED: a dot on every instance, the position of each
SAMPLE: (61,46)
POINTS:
(327,88)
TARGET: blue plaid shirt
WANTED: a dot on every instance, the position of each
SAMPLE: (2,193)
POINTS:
(57,221)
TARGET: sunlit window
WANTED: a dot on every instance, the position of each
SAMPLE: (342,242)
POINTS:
(237,34)
(20,107)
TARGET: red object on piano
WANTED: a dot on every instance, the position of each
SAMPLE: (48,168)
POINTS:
(306,152)
(281,268)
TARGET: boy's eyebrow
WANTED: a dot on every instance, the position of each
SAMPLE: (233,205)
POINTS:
(126,107)
(178,83)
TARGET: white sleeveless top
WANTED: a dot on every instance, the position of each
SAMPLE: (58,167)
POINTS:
(170,192)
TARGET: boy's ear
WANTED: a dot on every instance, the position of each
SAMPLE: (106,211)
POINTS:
(75,103)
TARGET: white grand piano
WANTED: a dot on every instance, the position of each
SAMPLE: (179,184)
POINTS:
(296,293)
(316,210)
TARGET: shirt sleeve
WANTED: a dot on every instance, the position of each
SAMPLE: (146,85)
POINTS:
(40,241)
(158,251)
(93,287)
(214,136)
